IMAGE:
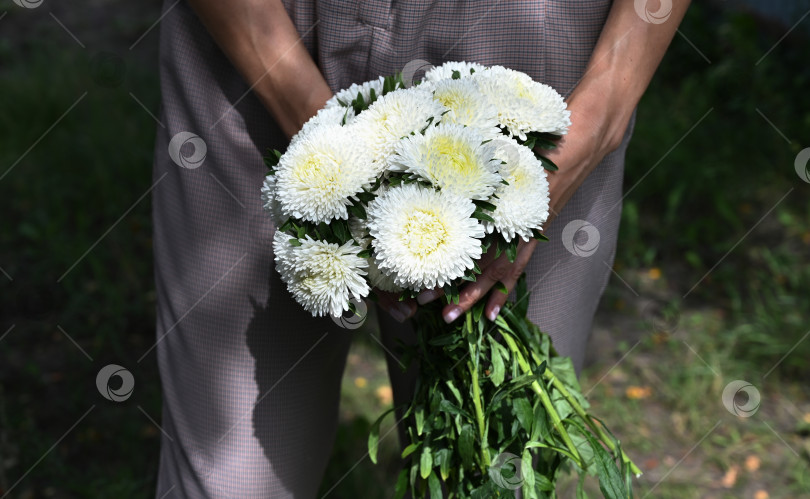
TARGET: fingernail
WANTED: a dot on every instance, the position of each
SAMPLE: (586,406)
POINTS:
(494,313)
(452,314)
(426,296)
(397,314)
(405,310)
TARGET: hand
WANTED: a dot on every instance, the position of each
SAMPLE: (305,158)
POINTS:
(399,310)
(598,126)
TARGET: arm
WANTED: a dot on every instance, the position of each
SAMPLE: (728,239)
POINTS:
(622,64)
(263,45)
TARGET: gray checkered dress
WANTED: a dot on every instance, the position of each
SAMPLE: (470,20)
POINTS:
(250,382)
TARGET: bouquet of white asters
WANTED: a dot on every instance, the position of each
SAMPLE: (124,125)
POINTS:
(402,188)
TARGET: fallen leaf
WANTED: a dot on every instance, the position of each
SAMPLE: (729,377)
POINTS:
(752,463)
(730,478)
(761,494)
(384,394)
(638,392)
(654,273)
(360,382)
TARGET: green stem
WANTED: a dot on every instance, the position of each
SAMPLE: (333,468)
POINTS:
(477,400)
(597,429)
(479,416)
(556,422)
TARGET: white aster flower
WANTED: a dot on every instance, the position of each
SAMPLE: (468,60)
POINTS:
(322,276)
(345,97)
(452,158)
(523,104)
(269,201)
(423,238)
(320,173)
(285,255)
(326,117)
(378,279)
(445,71)
(467,105)
(393,116)
(523,204)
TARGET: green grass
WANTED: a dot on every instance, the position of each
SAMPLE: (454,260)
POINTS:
(691,214)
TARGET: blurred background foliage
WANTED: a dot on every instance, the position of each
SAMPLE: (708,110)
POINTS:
(712,276)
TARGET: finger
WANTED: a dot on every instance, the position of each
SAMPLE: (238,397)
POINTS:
(497,300)
(429,295)
(399,310)
(474,291)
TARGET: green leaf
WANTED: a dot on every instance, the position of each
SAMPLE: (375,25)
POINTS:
(485,205)
(364,253)
(511,250)
(374,436)
(435,486)
(449,407)
(456,74)
(527,473)
(539,235)
(419,415)
(444,339)
(357,210)
(466,445)
(366,196)
(540,426)
(542,482)
(498,370)
(340,229)
(402,485)
(294,242)
(478,310)
(441,458)
(480,215)
(410,449)
(425,462)
(610,481)
(523,410)
(581,487)
(548,164)
(501,287)
(272,158)
(452,387)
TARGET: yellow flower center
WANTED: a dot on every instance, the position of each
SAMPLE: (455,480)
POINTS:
(454,159)
(320,171)
(424,233)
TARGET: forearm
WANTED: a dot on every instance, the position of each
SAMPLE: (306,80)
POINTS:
(623,62)
(263,45)
(628,53)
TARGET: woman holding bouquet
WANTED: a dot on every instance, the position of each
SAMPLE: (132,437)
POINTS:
(251,381)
